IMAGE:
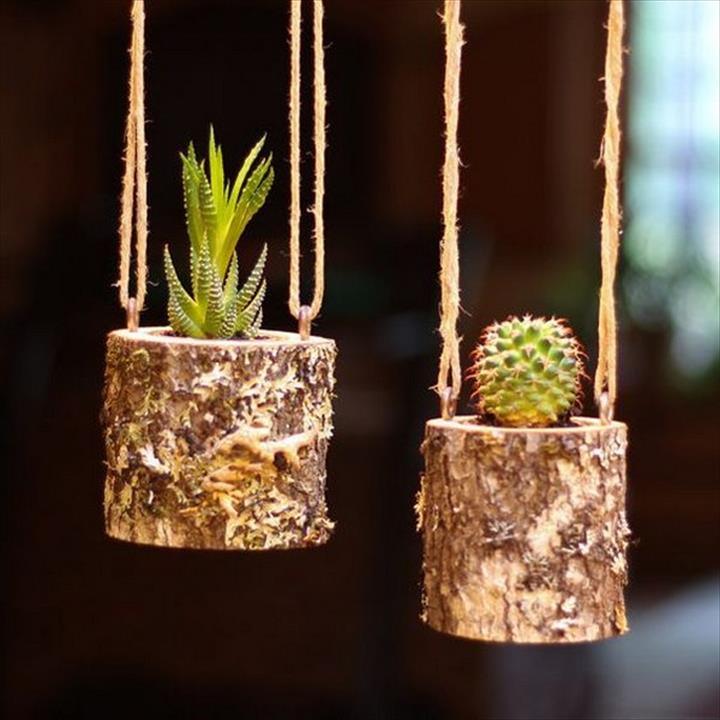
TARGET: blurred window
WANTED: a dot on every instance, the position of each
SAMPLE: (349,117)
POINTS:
(672,204)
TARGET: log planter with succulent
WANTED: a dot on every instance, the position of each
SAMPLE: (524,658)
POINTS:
(216,430)
(522,507)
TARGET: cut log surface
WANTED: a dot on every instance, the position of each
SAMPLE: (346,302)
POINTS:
(524,531)
(217,444)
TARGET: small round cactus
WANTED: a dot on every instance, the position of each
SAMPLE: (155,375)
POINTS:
(527,371)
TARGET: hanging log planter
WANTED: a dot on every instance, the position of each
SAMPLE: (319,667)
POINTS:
(217,444)
(524,532)
(216,430)
(522,507)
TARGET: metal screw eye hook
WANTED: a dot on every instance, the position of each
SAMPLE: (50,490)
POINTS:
(448,403)
(304,322)
(132,315)
(604,408)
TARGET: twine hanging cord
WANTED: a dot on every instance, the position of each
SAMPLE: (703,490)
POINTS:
(305,314)
(449,381)
(606,372)
(134,187)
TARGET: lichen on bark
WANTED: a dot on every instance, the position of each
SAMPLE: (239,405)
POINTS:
(217,444)
(524,531)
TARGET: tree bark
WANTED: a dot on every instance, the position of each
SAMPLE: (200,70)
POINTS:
(217,444)
(524,531)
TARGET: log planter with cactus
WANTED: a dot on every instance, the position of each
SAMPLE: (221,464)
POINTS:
(216,430)
(522,507)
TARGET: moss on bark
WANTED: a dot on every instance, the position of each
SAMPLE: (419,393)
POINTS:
(217,444)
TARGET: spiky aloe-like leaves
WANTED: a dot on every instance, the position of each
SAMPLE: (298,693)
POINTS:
(216,215)
(527,371)
(219,309)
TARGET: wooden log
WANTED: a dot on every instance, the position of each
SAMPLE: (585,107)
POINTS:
(524,531)
(217,444)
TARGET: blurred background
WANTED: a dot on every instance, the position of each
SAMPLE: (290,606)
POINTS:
(100,629)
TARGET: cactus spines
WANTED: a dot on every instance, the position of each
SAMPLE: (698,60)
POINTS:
(216,214)
(527,371)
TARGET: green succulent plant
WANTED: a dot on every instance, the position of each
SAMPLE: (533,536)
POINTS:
(216,213)
(527,371)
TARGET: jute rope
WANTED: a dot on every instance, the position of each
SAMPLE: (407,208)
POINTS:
(134,188)
(606,373)
(319,104)
(450,375)
(295,18)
